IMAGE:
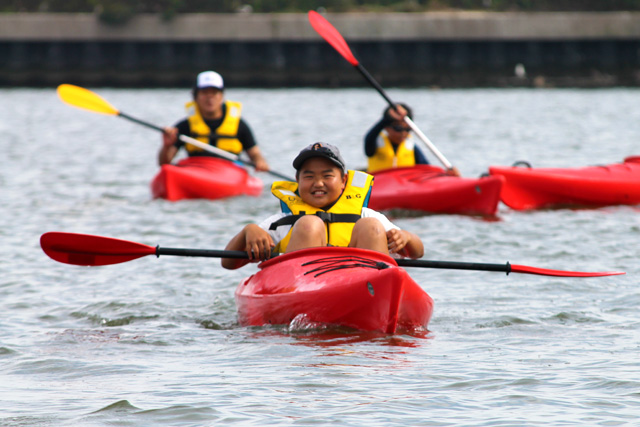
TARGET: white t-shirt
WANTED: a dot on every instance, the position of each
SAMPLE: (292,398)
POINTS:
(280,232)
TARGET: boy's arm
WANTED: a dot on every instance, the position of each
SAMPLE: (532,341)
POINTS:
(253,239)
(405,243)
(414,248)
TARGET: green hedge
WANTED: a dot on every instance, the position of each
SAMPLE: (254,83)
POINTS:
(119,11)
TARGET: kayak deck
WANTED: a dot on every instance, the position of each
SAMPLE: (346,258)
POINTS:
(428,189)
(204,178)
(355,288)
(593,186)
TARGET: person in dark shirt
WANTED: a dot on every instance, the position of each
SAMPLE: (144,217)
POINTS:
(214,121)
(389,143)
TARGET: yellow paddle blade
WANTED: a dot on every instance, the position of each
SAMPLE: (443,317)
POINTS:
(77,96)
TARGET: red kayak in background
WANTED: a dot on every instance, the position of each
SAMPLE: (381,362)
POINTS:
(354,288)
(528,188)
(428,189)
(204,178)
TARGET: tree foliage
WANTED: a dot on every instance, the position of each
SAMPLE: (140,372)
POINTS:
(119,11)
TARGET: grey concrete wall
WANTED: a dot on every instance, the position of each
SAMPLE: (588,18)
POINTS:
(439,49)
(353,26)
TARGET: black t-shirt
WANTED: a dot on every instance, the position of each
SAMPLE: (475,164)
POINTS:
(245,136)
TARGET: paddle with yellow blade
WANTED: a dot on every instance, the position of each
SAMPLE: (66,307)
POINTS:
(89,250)
(85,99)
(329,33)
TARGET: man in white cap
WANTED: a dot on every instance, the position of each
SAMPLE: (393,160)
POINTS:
(212,120)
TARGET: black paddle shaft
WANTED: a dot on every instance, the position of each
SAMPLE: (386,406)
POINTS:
(374,83)
(208,253)
(450,265)
(453,265)
(140,122)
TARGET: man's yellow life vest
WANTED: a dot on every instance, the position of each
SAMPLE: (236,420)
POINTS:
(339,218)
(227,131)
(385,157)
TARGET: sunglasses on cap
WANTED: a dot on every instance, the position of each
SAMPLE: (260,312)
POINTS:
(329,153)
(399,128)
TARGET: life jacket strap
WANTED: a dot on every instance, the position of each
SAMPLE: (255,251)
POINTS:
(337,217)
(327,217)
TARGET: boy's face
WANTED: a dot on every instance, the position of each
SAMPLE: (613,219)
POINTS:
(320,182)
(398,131)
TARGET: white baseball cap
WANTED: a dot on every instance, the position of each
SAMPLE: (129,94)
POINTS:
(210,79)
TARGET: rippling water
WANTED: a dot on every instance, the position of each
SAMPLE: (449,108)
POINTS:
(155,341)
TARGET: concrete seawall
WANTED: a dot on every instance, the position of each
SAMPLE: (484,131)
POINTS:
(444,49)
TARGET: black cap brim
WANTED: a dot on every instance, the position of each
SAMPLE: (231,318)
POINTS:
(308,154)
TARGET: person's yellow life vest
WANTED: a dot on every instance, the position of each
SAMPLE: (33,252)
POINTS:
(228,129)
(385,157)
(339,218)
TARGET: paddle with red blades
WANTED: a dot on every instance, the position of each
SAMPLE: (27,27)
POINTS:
(85,99)
(335,39)
(88,250)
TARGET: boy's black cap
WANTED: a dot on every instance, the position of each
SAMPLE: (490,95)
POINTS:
(320,149)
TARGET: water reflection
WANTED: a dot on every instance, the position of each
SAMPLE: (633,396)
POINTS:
(332,336)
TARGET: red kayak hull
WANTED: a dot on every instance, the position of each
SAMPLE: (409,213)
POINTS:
(347,287)
(203,178)
(550,188)
(426,188)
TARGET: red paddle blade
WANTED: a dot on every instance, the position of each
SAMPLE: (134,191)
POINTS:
(331,36)
(561,273)
(84,249)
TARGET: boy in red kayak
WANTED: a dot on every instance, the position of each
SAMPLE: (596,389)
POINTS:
(325,207)
(212,120)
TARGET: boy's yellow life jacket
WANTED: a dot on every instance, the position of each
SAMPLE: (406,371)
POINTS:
(339,218)
(385,157)
(227,131)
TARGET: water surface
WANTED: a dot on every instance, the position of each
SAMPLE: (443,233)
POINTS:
(155,341)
